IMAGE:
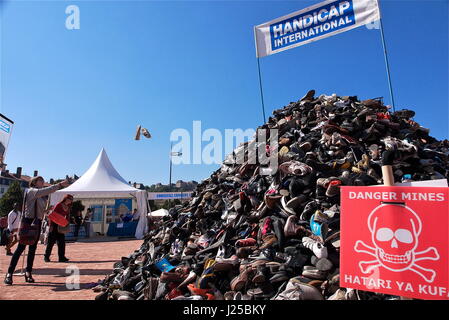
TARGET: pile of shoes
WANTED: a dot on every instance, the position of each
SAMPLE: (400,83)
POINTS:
(250,236)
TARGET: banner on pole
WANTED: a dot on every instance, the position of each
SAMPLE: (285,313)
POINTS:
(5,133)
(317,22)
(394,240)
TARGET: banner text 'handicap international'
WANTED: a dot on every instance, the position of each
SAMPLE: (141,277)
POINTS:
(394,240)
(313,23)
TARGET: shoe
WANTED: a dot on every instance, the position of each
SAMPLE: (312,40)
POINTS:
(264,292)
(271,200)
(261,275)
(244,252)
(137,136)
(248,242)
(333,188)
(290,227)
(229,295)
(268,241)
(292,205)
(313,273)
(295,168)
(242,279)
(279,276)
(317,248)
(324,264)
(146,133)
(340,294)
(63,259)
(267,254)
(223,264)
(296,260)
(28,277)
(309,96)
(8,279)
(172,277)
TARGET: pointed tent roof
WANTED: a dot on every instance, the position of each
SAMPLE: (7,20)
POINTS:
(100,180)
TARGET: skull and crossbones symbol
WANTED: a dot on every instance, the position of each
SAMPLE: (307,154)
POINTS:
(395,230)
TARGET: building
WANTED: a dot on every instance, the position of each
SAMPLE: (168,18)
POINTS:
(137,185)
(7,178)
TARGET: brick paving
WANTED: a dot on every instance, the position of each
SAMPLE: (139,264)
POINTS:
(93,259)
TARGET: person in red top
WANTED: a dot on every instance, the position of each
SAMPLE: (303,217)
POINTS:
(54,236)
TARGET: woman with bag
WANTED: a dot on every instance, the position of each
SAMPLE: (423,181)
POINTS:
(57,232)
(33,212)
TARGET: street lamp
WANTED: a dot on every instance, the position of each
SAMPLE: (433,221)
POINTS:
(177,154)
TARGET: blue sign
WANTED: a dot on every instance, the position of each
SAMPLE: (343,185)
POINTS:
(123,206)
(5,126)
(169,195)
(311,24)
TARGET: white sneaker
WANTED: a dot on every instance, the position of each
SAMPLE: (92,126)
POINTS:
(317,248)
(221,252)
(340,294)
(188,298)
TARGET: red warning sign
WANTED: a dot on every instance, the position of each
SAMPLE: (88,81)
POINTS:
(395,240)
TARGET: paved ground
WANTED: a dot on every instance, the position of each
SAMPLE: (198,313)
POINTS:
(93,259)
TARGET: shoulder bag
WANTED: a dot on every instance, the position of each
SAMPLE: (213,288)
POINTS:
(29,228)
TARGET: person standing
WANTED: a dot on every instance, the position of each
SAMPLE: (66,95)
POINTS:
(54,236)
(86,221)
(135,215)
(13,227)
(78,221)
(35,204)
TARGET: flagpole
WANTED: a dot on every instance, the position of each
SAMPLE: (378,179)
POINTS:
(261,90)
(260,77)
(387,65)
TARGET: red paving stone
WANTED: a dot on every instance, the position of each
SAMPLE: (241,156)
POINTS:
(94,260)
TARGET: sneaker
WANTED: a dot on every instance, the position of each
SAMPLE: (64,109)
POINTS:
(333,188)
(319,250)
(146,133)
(340,294)
(313,273)
(194,297)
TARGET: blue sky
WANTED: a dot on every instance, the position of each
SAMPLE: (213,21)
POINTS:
(163,64)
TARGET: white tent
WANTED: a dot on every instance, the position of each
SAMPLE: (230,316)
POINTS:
(101,180)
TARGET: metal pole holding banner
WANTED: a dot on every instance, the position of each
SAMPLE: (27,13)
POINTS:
(261,91)
(387,65)
(260,77)
(319,21)
(169,183)
(171,155)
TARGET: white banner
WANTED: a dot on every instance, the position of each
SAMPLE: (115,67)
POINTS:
(169,195)
(5,132)
(317,22)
